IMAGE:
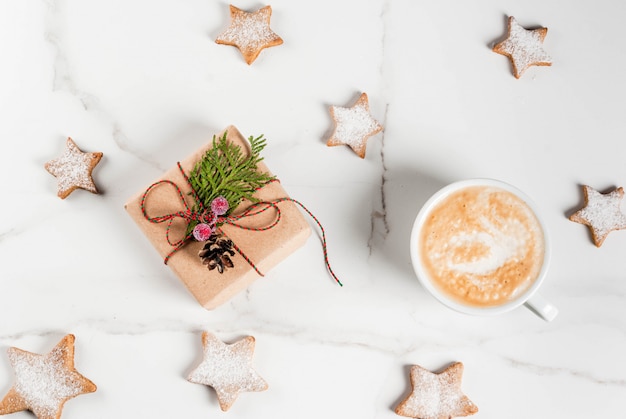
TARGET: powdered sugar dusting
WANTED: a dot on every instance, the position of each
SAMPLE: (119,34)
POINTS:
(44,382)
(525,47)
(436,396)
(249,31)
(354,124)
(602,212)
(227,368)
(73,169)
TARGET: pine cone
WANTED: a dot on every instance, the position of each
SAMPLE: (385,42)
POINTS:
(216,253)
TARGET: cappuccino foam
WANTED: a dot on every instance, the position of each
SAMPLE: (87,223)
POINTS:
(482,246)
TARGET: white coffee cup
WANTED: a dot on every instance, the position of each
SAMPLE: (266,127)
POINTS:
(527,296)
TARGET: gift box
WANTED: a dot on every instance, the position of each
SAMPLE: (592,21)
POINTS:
(263,238)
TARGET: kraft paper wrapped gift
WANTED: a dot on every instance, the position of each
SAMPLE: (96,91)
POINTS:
(265,249)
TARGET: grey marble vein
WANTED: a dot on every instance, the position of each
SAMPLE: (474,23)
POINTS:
(547,370)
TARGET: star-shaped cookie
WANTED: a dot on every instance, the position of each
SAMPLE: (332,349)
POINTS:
(73,170)
(601,213)
(227,368)
(524,47)
(436,396)
(353,126)
(43,383)
(250,32)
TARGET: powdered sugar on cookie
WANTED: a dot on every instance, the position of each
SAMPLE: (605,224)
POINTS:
(524,47)
(228,369)
(353,126)
(436,396)
(43,383)
(601,213)
(73,169)
(250,32)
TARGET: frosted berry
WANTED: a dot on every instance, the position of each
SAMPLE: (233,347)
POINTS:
(219,205)
(202,232)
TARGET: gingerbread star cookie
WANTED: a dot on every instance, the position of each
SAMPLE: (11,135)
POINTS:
(601,213)
(43,383)
(227,368)
(353,126)
(436,396)
(524,47)
(73,170)
(250,32)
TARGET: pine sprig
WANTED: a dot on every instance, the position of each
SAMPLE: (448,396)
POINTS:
(226,171)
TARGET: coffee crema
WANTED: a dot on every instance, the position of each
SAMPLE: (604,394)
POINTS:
(482,246)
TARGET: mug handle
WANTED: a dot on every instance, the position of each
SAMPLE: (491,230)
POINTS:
(542,307)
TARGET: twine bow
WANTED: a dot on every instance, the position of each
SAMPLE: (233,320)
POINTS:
(204,215)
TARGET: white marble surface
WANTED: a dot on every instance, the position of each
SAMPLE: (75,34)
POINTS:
(143,82)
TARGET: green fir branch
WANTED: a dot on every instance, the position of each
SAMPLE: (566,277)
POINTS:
(226,171)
